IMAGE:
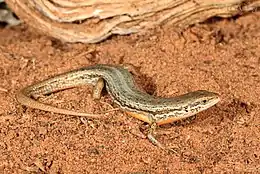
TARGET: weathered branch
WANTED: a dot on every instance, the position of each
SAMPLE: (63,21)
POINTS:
(91,21)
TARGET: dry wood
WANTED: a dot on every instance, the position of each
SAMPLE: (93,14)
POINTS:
(91,21)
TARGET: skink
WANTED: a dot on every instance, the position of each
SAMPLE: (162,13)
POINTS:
(119,83)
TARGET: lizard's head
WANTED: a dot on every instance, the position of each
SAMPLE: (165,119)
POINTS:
(189,104)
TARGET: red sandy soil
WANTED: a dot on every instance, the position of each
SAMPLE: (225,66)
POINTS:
(222,56)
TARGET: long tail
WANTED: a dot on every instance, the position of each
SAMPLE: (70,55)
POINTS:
(24,99)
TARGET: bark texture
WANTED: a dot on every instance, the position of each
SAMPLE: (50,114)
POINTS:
(91,21)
